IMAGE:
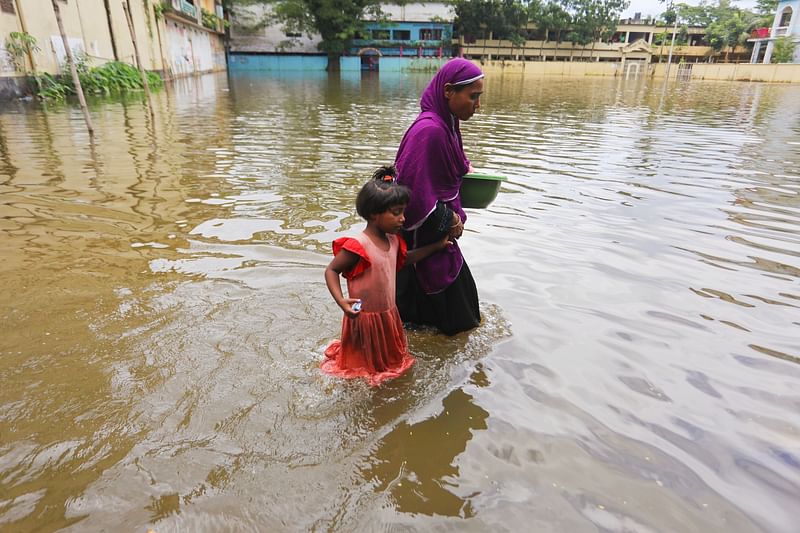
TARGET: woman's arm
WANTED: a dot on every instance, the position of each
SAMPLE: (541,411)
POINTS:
(344,261)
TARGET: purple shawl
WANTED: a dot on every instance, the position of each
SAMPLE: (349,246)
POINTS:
(431,162)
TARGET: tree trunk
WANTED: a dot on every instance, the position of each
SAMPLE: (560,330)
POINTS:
(73,70)
(333,62)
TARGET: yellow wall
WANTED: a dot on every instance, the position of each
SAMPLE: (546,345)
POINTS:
(783,73)
(86,21)
(552,68)
(565,50)
(8,24)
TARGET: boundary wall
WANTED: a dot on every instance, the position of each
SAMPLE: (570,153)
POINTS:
(315,62)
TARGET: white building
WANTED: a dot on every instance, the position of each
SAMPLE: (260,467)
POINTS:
(785,24)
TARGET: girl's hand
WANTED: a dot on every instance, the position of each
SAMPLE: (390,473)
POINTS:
(347,307)
(445,242)
(456,228)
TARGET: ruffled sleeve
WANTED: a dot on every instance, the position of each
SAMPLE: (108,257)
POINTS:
(353,246)
(402,251)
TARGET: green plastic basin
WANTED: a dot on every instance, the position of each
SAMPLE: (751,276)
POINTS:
(479,190)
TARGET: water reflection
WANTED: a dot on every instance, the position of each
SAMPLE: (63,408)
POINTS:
(159,349)
(414,464)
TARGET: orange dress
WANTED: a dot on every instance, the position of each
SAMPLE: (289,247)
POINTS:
(373,344)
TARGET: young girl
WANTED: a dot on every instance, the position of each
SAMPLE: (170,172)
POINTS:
(373,343)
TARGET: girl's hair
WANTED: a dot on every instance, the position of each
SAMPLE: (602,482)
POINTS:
(381,193)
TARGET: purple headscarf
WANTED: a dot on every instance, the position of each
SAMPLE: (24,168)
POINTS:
(431,162)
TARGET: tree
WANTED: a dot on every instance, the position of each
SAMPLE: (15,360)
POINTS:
(765,9)
(784,50)
(503,19)
(594,20)
(729,27)
(726,26)
(336,21)
(557,19)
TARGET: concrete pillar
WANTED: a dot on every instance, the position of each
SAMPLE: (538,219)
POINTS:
(627,37)
(756,50)
(768,53)
(650,38)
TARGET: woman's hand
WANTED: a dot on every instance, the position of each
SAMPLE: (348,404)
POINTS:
(456,227)
(347,306)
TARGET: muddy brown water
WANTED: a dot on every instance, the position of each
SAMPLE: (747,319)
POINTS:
(163,313)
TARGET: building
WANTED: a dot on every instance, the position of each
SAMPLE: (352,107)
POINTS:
(634,40)
(412,30)
(174,37)
(784,25)
(409,31)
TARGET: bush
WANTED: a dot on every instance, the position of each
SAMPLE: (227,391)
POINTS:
(111,78)
(784,50)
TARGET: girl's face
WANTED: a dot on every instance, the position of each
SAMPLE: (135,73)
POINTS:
(391,220)
(465,102)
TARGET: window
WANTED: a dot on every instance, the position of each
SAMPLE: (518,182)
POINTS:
(430,34)
(380,35)
(401,35)
(7,6)
(786,17)
(293,34)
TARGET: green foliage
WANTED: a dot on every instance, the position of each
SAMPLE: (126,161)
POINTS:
(211,20)
(681,39)
(586,20)
(729,26)
(158,10)
(505,19)
(784,50)
(726,25)
(18,45)
(112,78)
(52,89)
(594,20)
(116,77)
(552,17)
(766,7)
(336,21)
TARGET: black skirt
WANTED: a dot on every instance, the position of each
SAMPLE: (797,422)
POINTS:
(452,310)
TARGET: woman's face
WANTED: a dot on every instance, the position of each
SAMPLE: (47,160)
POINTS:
(465,102)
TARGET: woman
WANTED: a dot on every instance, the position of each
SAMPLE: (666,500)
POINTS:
(439,290)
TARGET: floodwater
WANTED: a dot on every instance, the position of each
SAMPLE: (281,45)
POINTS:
(164,313)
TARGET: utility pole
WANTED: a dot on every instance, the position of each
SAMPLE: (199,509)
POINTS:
(671,45)
(73,70)
(127,8)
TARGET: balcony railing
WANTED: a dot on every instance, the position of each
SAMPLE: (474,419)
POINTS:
(184,7)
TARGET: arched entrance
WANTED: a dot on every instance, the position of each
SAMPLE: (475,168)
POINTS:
(370,58)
